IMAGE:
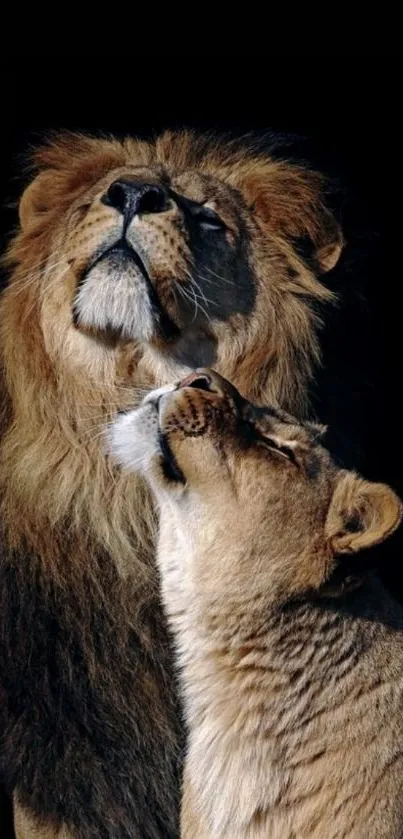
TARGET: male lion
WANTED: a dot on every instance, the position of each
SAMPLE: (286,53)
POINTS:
(134,262)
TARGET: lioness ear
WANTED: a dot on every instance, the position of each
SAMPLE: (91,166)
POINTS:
(361,514)
(35,199)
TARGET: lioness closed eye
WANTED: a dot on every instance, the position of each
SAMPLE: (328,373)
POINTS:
(290,650)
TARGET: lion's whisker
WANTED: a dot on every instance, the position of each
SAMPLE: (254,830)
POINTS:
(218,277)
(29,278)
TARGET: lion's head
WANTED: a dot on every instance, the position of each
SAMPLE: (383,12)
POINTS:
(136,261)
(187,247)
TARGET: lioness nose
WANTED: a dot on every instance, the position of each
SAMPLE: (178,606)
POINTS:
(133,198)
(199,379)
(205,379)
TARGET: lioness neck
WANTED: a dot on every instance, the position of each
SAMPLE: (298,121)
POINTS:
(285,738)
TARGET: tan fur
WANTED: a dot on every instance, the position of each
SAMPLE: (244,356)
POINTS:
(61,384)
(28,828)
(291,660)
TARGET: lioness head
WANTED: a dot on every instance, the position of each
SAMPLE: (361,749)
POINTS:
(248,492)
(187,248)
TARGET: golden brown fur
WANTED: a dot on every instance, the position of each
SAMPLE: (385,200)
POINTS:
(77,534)
(290,652)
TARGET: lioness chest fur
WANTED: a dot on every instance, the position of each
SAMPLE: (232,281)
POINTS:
(290,653)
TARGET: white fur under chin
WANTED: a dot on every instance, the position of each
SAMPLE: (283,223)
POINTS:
(133,436)
(115,298)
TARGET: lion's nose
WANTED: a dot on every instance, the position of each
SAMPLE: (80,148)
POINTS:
(133,198)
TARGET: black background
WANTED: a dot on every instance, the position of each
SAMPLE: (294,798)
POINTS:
(348,104)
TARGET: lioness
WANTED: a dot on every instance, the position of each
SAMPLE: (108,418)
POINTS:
(290,653)
(134,263)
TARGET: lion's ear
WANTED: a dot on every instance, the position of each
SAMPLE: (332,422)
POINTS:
(36,198)
(288,200)
(329,244)
(361,514)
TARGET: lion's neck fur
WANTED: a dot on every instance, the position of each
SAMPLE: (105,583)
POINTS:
(58,487)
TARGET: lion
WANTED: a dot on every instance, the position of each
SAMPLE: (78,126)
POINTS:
(134,263)
(290,651)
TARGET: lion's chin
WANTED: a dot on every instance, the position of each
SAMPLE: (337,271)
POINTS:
(115,303)
(112,299)
(115,300)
